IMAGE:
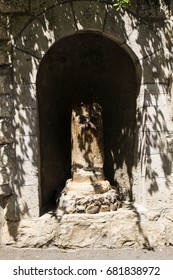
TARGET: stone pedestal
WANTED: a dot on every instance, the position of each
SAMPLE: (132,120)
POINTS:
(87,191)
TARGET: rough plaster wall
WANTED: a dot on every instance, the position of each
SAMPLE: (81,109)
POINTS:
(31,30)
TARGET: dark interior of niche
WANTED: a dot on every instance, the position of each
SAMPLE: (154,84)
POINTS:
(85,67)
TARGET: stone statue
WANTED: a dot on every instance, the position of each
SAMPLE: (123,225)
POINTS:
(87,150)
(87,159)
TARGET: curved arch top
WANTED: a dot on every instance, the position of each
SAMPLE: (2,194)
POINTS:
(85,67)
(123,37)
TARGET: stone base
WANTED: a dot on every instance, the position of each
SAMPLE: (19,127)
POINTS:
(129,226)
(87,187)
(70,203)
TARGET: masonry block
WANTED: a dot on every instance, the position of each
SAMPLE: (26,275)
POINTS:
(119,24)
(7,156)
(18,24)
(38,6)
(4,27)
(17,6)
(26,173)
(27,148)
(5,83)
(26,121)
(23,204)
(6,103)
(143,41)
(25,67)
(5,52)
(89,15)
(6,131)
(25,95)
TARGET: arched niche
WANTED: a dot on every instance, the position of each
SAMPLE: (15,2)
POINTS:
(85,67)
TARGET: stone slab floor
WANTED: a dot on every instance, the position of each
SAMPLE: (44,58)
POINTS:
(12,253)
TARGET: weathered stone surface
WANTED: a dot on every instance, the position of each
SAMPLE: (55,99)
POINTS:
(80,209)
(25,95)
(33,40)
(169,235)
(4,27)
(5,174)
(158,12)
(151,44)
(57,22)
(158,192)
(146,44)
(11,210)
(153,89)
(104,208)
(5,84)
(102,230)
(156,118)
(119,24)
(154,215)
(7,156)
(5,53)
(168,215)
(17,6)
(92,209)
(96,231)
(24,204)
(87,186)
(1,222)
(72,209)
(33,233)
(123,180)
(26,121)
(25,67)
(26,173)
(26,148)
(6,131)
(5,106)
(87,141)
(152,234)
(157,165)
(156,98)
(156,143)
(84,203)
(113,207)
(18,24)
(38,6)
(160,69)
(5,190)
(41,33)
(89,14)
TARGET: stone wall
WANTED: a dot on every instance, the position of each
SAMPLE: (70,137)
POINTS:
(27,31)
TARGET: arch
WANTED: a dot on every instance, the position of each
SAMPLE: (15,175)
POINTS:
(86,67)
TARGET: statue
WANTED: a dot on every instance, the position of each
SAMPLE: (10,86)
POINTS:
(87,191)
(87,150)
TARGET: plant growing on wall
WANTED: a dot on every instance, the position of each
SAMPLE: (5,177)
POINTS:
(122,4)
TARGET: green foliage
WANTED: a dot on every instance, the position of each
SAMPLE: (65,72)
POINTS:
(121,4)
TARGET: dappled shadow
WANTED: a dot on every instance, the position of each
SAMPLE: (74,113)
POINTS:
(88,68)
(99,60)
(145,241)
(88,129)
(156,122)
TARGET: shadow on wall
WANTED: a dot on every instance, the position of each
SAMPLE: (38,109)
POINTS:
(90,68)
(155,114)
(85,67)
